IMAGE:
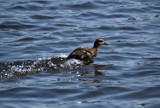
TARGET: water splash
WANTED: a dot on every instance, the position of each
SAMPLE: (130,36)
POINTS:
(21,68)
(73,63)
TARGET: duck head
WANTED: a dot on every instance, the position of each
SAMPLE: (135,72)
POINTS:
(99,42)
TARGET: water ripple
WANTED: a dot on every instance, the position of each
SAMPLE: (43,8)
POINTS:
(15,25)
(36,37)
(39,17)
(85,5)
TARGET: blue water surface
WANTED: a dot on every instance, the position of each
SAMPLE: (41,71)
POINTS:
(36,36)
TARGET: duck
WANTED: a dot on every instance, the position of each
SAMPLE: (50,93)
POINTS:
(87,54)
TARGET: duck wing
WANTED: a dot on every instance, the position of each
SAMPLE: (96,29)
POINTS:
(83,54)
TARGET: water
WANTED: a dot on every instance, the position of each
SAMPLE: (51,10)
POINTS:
(36,36)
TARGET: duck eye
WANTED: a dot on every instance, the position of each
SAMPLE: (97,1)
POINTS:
(101,42)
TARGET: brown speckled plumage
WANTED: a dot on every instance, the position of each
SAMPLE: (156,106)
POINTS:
(87,54)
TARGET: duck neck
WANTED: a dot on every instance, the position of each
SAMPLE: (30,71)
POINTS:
(95,50)
(95,46)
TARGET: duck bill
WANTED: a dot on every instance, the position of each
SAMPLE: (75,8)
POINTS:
(105,43)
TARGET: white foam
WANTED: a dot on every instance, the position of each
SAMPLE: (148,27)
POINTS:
(62,55)
(51,64)
(73,63)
